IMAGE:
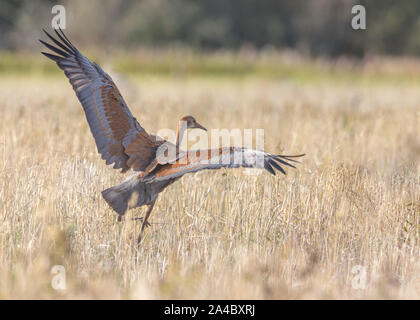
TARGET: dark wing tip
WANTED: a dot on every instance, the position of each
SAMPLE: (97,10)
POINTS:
(276,166)
(277,160)
(282,161)
(64,38)
(62,45)
(54,49)
(269,168)
(293,156)
(52,56)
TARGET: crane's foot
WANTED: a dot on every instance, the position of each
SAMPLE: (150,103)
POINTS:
(144,225)
(147,224)
(119,218)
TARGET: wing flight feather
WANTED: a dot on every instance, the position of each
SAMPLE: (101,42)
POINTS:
(232,157)
(119,138)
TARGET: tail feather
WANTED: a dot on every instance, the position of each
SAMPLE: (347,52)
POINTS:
(125,195)
(116,200)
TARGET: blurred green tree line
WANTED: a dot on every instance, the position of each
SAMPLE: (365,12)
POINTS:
(313,27)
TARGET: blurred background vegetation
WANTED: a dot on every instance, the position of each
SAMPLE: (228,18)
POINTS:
(234,37)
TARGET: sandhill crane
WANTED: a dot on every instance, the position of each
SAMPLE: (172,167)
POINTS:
(123,142)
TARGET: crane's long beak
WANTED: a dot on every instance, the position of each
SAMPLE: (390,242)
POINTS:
(199,126)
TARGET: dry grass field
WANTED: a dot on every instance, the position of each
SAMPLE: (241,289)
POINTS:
(354,200)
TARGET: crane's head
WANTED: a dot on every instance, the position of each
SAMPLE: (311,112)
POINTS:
(192,123)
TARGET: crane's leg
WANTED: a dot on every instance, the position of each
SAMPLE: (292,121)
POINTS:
(146,216)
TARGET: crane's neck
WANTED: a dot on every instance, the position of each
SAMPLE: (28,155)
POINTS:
(182,127)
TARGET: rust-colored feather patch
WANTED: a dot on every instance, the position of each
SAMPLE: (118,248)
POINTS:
(142,151)
(187,161)
(117,119)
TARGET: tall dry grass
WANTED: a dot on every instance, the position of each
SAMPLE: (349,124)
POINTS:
(355,199)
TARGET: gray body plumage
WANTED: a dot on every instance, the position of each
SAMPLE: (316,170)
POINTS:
(133,193)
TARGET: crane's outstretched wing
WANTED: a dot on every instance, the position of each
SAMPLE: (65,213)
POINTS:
(119,137)
(233,157)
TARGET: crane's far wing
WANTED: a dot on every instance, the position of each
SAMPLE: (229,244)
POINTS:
(232,157)
(119,137)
